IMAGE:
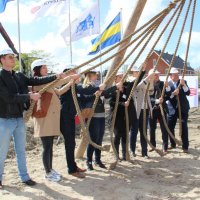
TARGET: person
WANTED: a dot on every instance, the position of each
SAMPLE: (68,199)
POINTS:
(138,110)
(156,113)
(46,128)
(97,124)
(120,121)
(172,104)
(67,123)
(14,99)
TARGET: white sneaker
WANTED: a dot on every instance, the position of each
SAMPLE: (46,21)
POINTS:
(52,177)
(55,173)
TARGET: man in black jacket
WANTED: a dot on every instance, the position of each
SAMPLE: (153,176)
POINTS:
(14,99)
(156,113)
(172,104)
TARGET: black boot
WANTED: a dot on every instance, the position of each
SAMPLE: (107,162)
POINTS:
(117,149)
(89,166)
(100,164)
(124,151)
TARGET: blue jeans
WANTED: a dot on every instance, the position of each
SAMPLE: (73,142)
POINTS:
(96,130)
(15,128)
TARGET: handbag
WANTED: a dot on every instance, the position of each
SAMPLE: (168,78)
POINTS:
(86,113)
(40,111)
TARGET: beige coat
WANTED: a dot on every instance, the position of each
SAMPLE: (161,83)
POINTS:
(138,96)
(50,125)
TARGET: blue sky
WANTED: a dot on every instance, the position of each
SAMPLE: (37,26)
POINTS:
(44,33)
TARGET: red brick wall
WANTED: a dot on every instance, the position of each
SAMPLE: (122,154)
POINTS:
(161,67)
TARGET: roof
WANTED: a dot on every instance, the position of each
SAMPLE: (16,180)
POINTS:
(178,62)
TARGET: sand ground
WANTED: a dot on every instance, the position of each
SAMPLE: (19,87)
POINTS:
(174,176)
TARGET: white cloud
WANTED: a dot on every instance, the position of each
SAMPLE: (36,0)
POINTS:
(10,14)
(195,42)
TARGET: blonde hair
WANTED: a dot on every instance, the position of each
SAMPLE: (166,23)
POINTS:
(87,82)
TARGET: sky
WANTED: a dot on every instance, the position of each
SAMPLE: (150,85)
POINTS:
(44,33)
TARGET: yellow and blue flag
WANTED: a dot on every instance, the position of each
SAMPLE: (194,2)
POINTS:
(110,36)
(3,5)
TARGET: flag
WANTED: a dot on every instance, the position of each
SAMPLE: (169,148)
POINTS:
(110,36)
(3,5)
(47,8)
(85,25)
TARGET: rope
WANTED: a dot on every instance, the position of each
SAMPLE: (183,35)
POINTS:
(135,84)
(170,6)
(127,134)
(28,114)
(106,81)
(113,165)
(145,124)
(184,67)
(97,96)
(171,64)
(84,133)
(162,111)
(126,109)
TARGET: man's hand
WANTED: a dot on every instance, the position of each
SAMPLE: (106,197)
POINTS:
(151,76)
(119,86)
(176,92)
(144,67)
(61,75)
(161,100)
(102,86)
(34,96)
(98,93)
(75,76)
(182,82)
(126,104)
(166,84)
(70,82)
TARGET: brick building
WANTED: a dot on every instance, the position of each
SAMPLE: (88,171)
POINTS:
(164,63)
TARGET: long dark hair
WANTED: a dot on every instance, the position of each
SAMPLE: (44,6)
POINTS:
(36,71)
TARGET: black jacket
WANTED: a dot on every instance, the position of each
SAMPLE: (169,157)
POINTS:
(14,98)
(120,117)
(185,106)
(158,86)
(67,102)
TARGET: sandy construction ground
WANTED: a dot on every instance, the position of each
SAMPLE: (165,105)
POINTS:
(174,176)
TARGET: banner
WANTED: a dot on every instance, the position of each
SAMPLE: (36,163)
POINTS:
(85,25)
(192,82)
(51,7)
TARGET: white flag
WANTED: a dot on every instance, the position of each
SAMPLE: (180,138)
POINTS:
(85,25)
(51,7)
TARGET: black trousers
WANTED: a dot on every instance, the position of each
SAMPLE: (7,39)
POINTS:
(67,126)
(137,124)
(120,135)
(47,154)
(96,131)
(156,116)
(172,119)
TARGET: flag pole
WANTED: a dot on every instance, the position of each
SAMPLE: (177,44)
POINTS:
(101,67)
(121,29)
(19,37)
(70,35)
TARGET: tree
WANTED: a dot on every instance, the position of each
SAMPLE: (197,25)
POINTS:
(28,58)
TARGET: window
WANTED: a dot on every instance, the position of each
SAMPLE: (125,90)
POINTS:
(154,62)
